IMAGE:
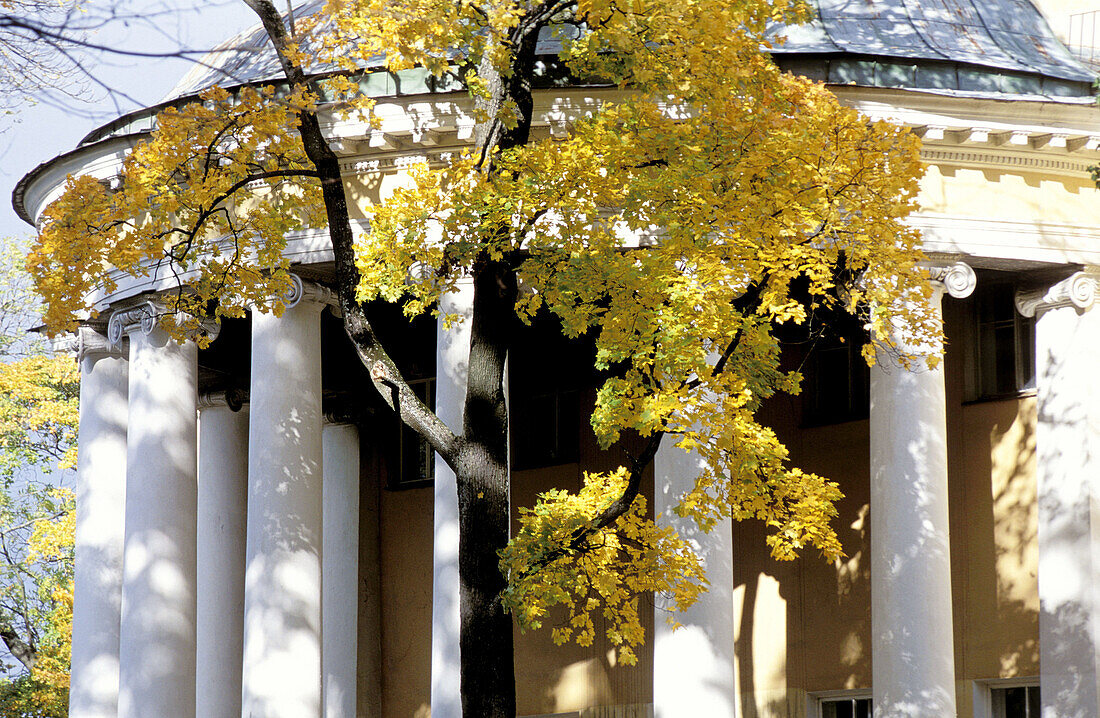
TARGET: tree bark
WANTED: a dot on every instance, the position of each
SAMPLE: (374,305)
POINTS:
(24,652)
(485,638)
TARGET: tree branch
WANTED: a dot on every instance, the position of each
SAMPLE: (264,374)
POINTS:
(394,390)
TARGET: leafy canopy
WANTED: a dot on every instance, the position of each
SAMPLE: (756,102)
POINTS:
(705,199)
(38,423)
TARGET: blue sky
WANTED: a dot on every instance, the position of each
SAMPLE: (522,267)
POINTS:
(43,129)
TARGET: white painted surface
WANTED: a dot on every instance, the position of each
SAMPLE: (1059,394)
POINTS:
(157,634)
(282,605)
(340,569)
(913,671)
(223,482)
(451,364)
(1067,441)
(693,665)
(100,517)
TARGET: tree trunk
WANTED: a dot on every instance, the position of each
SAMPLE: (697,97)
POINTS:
(485,639)
(487,669)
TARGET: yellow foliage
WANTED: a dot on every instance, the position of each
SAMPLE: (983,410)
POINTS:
(39,413)
(182,208)
(714,199)
(601,575)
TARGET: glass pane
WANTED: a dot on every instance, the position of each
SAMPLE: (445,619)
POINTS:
(1026,354)
(1015,703)
(863,708)
(833,389)
(1033,702)
(417,457)
(837,709)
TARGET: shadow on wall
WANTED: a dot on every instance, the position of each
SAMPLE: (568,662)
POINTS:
(1015,542)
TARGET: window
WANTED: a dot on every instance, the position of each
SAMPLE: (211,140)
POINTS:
(548,377)
(545,428)
(416,459)
(1007,698)
(839,704)
(836,379)
(846,708)
(1015,702)
(1002,347)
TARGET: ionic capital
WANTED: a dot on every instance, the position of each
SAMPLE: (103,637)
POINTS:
(311,292)
(125,322)
(955,278)
(144,318)
(1078,290)
(86,342)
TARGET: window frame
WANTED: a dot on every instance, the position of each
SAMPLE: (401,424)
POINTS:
(397,481)
(816,699)
(973,392)
(983,691)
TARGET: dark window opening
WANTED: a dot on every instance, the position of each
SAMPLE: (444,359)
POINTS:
(835,376)
(548,376)
(1015,702)
(846,708)
(1001,356)
(416,459)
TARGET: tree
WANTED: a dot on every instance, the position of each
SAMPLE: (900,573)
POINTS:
(38,422)
(763,198)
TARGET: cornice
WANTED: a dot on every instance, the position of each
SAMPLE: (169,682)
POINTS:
(994,159)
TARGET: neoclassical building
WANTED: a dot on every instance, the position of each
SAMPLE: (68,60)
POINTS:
(258,536)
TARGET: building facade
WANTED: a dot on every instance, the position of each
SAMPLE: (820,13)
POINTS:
(258,536)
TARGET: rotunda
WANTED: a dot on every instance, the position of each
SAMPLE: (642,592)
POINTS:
(207,586)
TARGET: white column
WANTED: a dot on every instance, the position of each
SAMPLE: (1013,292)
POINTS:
(282,604)
(223,482)
(340,569)
(100,513)
(157,634)
(693,665)
(1067,443)
(451,359)
(912,648)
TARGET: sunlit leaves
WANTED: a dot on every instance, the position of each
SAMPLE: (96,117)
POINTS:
(38,413)
(600,577)
(705,202)
(679,224)
(207,202)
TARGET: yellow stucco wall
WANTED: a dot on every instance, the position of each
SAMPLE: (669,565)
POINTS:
(1009,194)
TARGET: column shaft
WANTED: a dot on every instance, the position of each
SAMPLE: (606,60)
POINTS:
(223,482)
(693,666)
(452,357)
(282,605)
(340,572)
(100,516)
(157,635)
(913,668)
(1067,441)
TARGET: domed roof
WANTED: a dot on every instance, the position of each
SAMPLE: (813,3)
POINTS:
(1002,36)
